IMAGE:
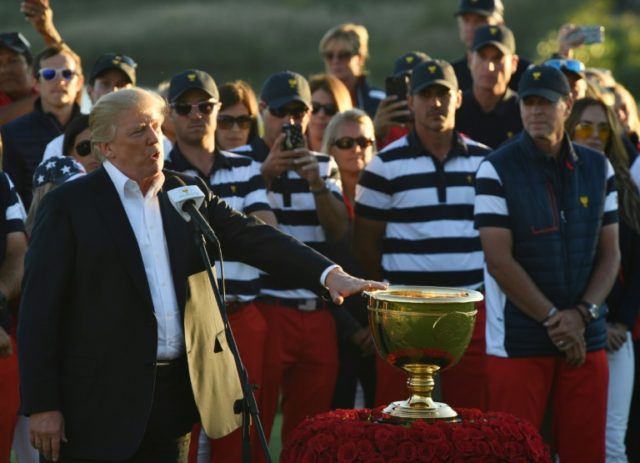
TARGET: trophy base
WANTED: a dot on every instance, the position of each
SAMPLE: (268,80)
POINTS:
(436,411)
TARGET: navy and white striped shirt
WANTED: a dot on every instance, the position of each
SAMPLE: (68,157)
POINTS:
(429,237)
(295,209)
(237,180)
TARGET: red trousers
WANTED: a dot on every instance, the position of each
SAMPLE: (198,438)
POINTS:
(463,385)
(301,363)
(9,402)
(250,333)
(523,386)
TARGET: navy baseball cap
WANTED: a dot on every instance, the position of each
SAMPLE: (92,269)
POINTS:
(544,81)
(406,62)
(192,79)
(117,61)
(481,7)
(17,42)
(500,37)
(56,170)
(284,87)
(433,72)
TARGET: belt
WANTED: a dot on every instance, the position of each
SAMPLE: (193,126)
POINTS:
(236,306)
(306,305)
(166,367)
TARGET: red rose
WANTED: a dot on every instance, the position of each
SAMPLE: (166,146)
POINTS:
(426,452)
(407,451)
(364,448)
(347,452)
(444,451)
(482,448)
(513,450)
(309,457)
(388,448)
(433,435)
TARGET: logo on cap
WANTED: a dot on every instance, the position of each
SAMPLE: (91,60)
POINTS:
(432,69)
(536,75)
(474,1)
(191,77)
(493,30)
(584,200)
(409,59)
(115,60)
(293,83)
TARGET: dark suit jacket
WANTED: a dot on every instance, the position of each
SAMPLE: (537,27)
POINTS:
(88,335)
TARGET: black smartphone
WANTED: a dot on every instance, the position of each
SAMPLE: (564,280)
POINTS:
(398,86)
(293,137)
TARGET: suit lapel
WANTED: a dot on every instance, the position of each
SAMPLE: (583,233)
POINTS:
(178,235)
(110,208)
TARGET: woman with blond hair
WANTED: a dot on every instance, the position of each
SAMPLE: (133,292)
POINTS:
(345,49)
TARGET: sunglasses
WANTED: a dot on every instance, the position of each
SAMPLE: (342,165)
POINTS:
(329,109)
(83,148)
(346,143)
(226,122)
(296,112)
(50,73)
(585,130)
(571,65)
(340,55)
(184,109)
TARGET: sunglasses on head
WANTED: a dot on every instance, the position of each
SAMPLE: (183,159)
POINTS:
(571,65)
(226,122)
(586,129)
(83,148)
(329,109)
(50,73)
(184,109)
(296,112)
(340,55)
(346,143)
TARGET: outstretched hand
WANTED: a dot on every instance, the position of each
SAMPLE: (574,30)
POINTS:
(340,285)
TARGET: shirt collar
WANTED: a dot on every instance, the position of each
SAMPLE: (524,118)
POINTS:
(458,146)
(124,184)
(181,163)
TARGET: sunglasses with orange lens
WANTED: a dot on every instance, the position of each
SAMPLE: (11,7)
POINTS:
(585,130)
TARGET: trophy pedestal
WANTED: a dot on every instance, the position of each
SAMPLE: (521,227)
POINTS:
(432,411)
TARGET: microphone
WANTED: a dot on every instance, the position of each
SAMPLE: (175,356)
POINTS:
(186,199)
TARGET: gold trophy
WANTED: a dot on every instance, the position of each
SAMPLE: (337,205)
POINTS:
(423,330)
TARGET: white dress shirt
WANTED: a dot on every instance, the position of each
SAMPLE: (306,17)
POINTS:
(145,218)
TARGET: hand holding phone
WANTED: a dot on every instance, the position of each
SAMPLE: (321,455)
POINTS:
(293,137)
(588,34)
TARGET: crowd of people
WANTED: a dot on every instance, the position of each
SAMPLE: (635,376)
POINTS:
(490,173)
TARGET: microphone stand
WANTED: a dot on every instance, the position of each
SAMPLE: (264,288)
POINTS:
(249,407)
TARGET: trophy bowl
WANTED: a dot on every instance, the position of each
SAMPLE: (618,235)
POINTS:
(422,330)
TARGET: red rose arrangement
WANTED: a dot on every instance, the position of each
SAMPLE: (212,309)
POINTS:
(362,435)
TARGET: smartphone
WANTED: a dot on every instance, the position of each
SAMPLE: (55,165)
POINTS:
(398,86)
(591,34)
(293,137)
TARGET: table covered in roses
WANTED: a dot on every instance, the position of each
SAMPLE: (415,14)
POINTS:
(366,435)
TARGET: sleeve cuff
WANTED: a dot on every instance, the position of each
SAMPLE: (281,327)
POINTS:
(323,277)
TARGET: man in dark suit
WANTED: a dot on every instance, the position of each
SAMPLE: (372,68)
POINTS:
(120,342)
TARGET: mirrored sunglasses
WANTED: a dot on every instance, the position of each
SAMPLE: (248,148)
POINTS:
(226,122)
(585,130)
(346,143)
(329,109)
(184,109)
(51,73)
(296,112)
(571,65)
(340,55)
(83,148)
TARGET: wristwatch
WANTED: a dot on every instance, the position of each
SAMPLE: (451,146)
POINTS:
(592,309)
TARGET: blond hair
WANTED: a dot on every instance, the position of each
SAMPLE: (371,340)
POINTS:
(353,115)
(355,36)
(334,87)
(104,115)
